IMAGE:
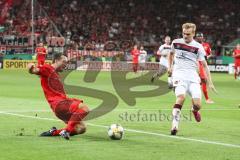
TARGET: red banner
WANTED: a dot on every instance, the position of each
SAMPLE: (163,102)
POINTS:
(113,66)
(77,54)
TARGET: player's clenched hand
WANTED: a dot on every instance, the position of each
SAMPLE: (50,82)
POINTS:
(30,67)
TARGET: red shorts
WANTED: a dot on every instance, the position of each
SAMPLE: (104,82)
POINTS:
(65,109)
(135,60)
(41,61)
(236,64)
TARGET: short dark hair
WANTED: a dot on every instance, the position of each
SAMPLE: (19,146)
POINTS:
(199,34)
(56,56)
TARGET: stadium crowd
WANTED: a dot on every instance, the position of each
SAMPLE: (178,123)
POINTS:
(96,22)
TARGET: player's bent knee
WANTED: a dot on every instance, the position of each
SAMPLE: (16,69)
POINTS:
(84,107)
(80,128)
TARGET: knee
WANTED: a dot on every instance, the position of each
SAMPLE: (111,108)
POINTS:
(84,107)
(197,105)
(80,128)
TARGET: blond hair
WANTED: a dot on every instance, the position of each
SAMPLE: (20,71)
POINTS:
(189,25)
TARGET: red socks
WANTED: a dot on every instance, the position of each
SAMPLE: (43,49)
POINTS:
(77,116)
(56,133)
(177,106)
(70,129)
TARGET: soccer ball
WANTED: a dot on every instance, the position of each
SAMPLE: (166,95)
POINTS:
(115,132)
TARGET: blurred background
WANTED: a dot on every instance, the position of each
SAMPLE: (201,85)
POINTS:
(101,29)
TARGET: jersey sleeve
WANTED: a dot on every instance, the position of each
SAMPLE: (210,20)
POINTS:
(160,48)
(201,53)
(207,48)
(44,70)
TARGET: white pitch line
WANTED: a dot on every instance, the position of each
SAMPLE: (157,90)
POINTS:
(135,131)
(26,111)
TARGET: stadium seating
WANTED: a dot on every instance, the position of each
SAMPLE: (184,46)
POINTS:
(147,22)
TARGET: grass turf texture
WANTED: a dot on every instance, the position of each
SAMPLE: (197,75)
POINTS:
(20,93)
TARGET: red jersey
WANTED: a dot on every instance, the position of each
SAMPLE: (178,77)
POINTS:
(51,85)
(135,53)
(237,59)
(41,52)
(207,48)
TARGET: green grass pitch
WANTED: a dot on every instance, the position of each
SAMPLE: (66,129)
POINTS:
(23,108)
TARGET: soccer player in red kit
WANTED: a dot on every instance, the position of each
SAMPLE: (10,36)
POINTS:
(135,53)
(41,54)
(202,73)
(236,55)
(71,111)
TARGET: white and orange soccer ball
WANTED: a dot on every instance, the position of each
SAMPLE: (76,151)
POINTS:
(115,132)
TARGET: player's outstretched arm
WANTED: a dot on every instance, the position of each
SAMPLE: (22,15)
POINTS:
(32,69)
(209,78)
